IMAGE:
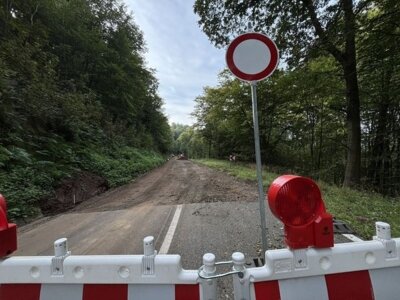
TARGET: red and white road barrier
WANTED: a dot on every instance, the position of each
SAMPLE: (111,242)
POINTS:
(311,268)
(98,291)
(366,270)
(98,277)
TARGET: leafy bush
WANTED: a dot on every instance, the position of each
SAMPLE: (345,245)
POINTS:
(121,165)
(23,187)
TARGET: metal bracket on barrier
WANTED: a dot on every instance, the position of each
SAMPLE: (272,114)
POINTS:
(241,283)
(148,267)
(208,269)
(60,254)
(383,234)
(202,275)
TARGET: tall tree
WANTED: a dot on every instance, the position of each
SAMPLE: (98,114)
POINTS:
(300,28)
(379,69)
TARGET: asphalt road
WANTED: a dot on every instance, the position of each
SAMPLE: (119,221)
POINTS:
(216,213)
(219,214)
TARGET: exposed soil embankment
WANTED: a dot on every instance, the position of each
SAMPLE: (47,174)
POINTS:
(72,191)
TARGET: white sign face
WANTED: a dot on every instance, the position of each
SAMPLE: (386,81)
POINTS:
(252,56)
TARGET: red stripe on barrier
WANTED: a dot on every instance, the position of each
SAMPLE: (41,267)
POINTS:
(20,291)
(352,285)
(187,292)
(267,290)
(105,292)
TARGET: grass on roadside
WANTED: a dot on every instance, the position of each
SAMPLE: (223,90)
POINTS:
(359,209)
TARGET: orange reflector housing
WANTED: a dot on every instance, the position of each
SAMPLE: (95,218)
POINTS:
(297,202)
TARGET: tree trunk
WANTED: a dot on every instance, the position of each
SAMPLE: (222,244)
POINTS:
(348,61)
(353,163)
(321,137)
(380,146)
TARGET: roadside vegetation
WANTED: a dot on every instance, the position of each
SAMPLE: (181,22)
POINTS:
(27,184)
(75,95)
(331,111)
(359,209)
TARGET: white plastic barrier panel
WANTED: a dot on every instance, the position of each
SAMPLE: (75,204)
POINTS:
(116,277)
(368,270)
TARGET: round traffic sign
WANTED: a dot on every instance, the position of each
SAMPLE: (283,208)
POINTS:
(252,56)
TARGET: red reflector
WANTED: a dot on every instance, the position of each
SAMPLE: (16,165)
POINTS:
(3,213)
(295,200)
(8,231)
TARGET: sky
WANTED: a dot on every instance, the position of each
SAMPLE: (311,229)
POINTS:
(184,59)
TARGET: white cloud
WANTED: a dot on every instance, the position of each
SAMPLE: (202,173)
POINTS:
(184,59)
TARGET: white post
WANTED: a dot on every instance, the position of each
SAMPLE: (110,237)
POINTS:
(241,282)
(148,267)
(209,286)
(261,197)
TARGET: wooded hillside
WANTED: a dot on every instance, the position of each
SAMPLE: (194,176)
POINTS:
(75,94)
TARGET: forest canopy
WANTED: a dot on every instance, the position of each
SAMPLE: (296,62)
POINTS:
(333,110)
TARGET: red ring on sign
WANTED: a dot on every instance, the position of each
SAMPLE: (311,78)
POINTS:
(264,73)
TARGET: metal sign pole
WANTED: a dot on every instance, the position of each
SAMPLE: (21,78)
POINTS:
(259,170)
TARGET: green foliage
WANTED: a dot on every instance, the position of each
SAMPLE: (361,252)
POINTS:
(25,185)
(121,165)
(361,209)
(300,116)
(241,170)
(188,141)
(74,94)
(311,117)
(358,209)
